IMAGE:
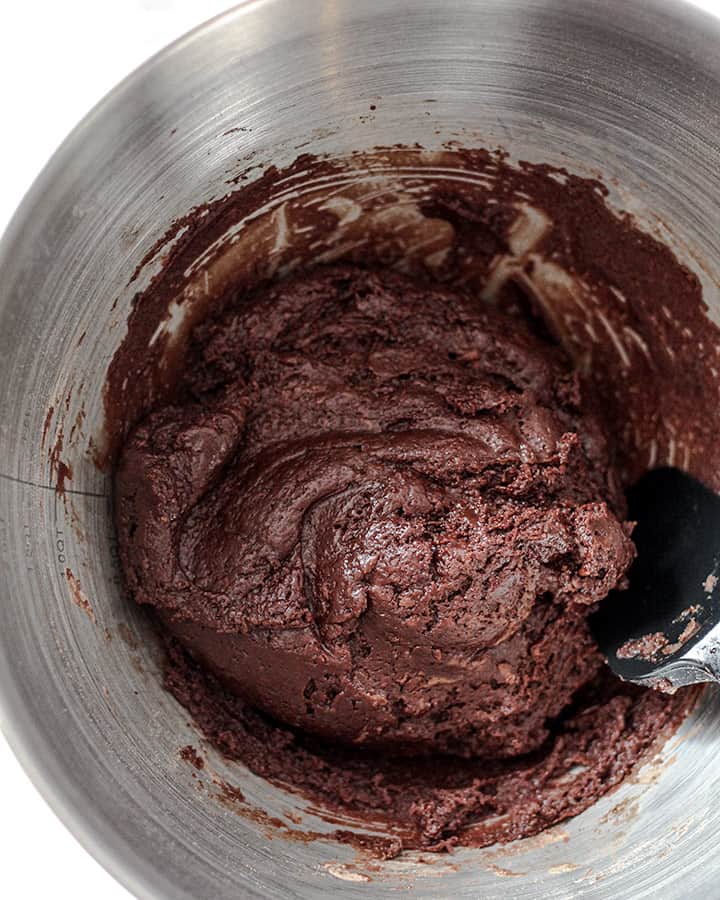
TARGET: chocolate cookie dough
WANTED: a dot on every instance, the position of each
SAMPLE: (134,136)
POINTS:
(379,516)
(372,512)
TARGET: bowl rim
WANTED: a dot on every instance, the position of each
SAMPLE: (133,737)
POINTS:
(94,832)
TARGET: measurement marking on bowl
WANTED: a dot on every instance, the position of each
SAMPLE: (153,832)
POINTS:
(52,487)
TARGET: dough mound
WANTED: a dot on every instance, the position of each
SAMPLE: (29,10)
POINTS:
(378,512)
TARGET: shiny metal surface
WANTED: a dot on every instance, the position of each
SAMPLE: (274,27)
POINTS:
(630,90)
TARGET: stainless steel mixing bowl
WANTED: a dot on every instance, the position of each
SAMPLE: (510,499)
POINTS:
(631,90)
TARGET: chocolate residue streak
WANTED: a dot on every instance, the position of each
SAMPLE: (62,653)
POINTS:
(137,663)
(77,596)
(646,647)
(191,755)
(63,473)
(538,244)
(625,811)
(375,846)
(46,426)
(663,685)
(230,793)
(689,631)
(563,868)
(60,471)
(77,428)
(160,244)
(695,610)
(656,646)
(127,635)
(504,873)
(347,873)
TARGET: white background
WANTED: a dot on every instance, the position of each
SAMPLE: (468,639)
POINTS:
(57,59)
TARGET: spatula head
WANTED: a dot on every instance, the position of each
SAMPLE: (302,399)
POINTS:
(674,596)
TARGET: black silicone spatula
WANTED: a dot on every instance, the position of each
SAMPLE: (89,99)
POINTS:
(665,629)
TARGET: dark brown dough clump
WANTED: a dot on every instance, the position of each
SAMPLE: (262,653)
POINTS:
(380,514)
